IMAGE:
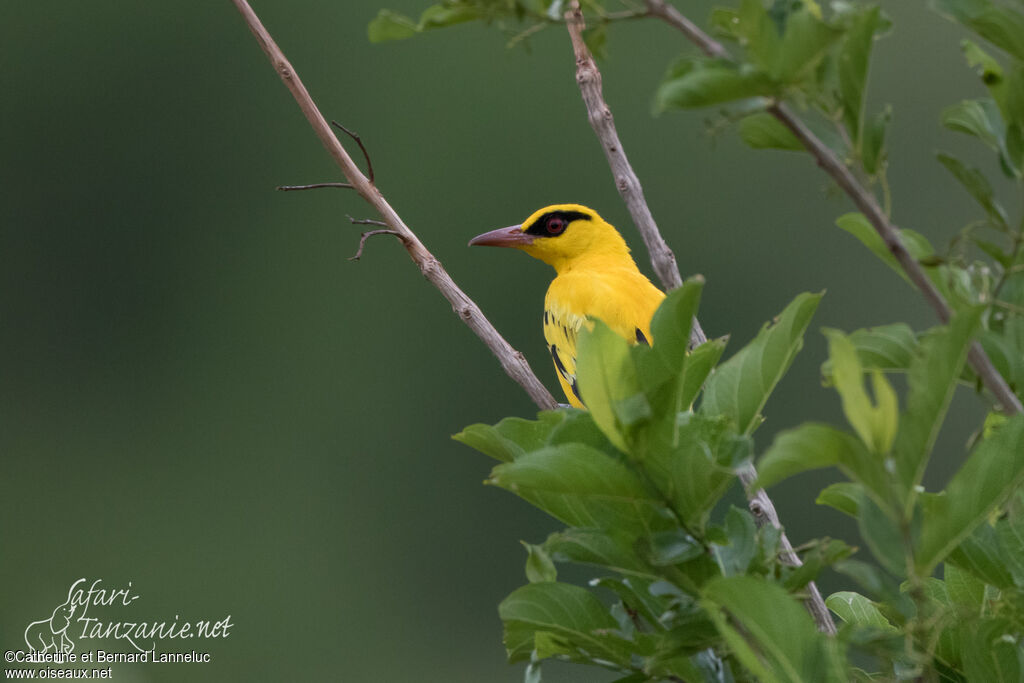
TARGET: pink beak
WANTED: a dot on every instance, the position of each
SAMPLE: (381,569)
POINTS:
(512,236)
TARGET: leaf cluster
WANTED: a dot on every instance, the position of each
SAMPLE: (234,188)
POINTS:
(688,588)
(681,593)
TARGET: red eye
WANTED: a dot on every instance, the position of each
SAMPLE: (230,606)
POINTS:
(555,225)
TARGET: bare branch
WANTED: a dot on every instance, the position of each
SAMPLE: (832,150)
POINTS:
(315,186)
(359,141)
(365,221)
(588,77)
(670,15)
(863,199)
(512,361)
(368,234)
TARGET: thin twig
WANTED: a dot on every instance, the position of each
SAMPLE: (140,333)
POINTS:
(359,141)
(365,221)
(314,186)
(368,234)
(512,361)
(865,202)
(588,77)
(670,15)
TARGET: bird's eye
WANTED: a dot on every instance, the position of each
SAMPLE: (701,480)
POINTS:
(555,225)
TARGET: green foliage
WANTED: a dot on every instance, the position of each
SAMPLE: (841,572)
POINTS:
(688,587)
(742,385)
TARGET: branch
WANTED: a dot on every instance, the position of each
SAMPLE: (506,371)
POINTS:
(589,79)
(760,504)
(512,361)
(865,201)
(314,186)
(368,234)
(670,15)
(763,509)
(359,141)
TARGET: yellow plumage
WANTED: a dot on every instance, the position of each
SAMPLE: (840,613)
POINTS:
(596,278)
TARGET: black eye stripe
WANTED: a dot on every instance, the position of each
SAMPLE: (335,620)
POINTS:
(539,227)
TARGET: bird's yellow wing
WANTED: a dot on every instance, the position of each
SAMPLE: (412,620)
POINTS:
(560,333)
(623,300)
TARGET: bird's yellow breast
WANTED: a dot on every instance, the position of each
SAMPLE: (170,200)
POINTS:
(618,295)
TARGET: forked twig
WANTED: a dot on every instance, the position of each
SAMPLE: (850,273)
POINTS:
(359,141)
(512,361)
(370,233)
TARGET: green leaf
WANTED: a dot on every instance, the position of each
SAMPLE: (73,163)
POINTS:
(725,23)
(779,641)
(709,82)
(763,131)
(674,546)
(882,535)
(872,148)
(811,446)
(513,436)
(608,381)
(388,25)
(579,427)
(1001,26)
(1005,355)
(992,652)
(573,620)
(671,323)
(740,387)
(596,547)
(734,557)
(878,583)
(978,187)
(539,566)
(988,69)
(992,472)
(857,225)
(699,365)
(596,39)
(823,554)
(580,486)
(932,378)
(972,118)
(982,554)
(854,56)
(806,39)
(694,471)
(759,34)
(447,14)
(854,608)
(875,422)
(843,496)
(964,588)
(889,348)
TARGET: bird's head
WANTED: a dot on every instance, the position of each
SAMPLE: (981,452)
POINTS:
(560,235)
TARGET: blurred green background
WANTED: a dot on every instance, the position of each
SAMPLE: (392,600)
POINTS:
(202,396)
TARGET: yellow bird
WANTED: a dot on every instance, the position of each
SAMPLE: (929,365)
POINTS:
(596,278)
